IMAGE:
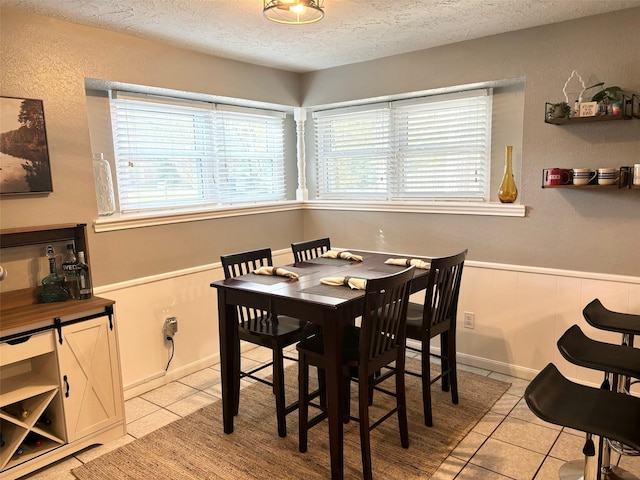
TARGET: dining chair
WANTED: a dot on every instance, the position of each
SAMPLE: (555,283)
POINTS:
(265,329)
(437,317)
(310,249)
(378,342)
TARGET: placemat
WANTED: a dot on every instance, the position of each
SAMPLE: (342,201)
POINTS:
(337,291)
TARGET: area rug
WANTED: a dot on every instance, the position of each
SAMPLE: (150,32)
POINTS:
(196,448)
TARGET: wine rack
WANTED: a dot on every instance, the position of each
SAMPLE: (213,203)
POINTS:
(43,370)
(29,384)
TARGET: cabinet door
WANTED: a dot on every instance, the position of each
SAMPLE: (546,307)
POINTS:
(90,377)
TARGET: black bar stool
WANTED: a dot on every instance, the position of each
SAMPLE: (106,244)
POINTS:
(555,399)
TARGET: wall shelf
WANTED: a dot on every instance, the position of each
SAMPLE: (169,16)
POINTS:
(624,182)
(630,109)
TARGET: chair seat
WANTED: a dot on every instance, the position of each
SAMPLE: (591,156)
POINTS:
(600,317)
(414,322)
(581,350)
(555,399)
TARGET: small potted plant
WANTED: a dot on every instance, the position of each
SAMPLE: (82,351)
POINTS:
(608,98)
(558,110)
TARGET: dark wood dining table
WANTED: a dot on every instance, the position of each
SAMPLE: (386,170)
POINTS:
(306,298)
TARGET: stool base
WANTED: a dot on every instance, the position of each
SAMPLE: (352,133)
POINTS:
(574,470)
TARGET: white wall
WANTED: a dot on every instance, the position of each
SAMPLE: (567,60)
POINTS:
(520,313)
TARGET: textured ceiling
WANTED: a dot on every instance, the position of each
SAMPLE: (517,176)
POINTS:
(352,30)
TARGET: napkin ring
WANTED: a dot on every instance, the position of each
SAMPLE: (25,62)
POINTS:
(407,262)
(345,282)
(274,271)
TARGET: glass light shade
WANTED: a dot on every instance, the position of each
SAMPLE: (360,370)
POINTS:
(293,12)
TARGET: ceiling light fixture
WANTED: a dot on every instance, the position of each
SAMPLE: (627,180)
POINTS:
(293,12)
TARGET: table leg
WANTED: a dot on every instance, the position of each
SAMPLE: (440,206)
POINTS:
(335,386)
(226,326)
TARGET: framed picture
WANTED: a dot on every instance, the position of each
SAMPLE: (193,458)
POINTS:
(24,154)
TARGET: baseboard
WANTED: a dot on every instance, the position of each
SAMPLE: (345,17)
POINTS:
(163,378)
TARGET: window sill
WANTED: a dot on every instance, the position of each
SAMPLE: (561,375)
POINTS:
(140,220)
(449,208)
(167,217)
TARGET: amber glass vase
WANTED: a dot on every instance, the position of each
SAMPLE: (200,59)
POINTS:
(508,191)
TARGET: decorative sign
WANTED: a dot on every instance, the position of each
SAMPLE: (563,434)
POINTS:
(588,109)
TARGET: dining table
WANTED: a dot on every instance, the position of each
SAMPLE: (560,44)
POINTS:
(305,297)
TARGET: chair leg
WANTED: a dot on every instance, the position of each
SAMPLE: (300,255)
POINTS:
(236,377)
(426,385)
(401,403)
(322,387)
(278,389)
(453,368)
(303,402)
(346,416)
(365,441)
(444,360)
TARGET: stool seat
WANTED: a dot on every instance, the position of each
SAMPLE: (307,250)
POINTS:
(581,350)
(602,318)
(555,399)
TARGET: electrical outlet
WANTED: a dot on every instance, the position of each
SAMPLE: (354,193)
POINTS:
(170,326)
(469,319)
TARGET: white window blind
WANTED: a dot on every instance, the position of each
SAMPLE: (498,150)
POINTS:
(429,148)
(173,153)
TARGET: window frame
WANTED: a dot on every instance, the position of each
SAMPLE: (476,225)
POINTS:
(347,137)
(203,145)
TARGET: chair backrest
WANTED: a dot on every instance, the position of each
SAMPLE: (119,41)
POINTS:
(304,251)
(382,335)
(237,264)
(443,290)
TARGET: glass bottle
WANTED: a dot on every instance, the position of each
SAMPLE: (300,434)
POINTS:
(508,191)
(69,271)
(53,288)
(84,279)
(104,185)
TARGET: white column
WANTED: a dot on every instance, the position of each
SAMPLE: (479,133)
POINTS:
(300,115)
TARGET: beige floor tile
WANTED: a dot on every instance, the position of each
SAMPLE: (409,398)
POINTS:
(138,407)
(191,403)
(505,404)
(60,470)
(476,370)
(169,393)
(488,423)
(631,464)
(95,451)
(523,412)
(506,459)
(468,446)
(259,354)
(151,422)
(202,379)
(549,469)
(527,435)
(518,385)
(474,472)
(568,447)
(448,469)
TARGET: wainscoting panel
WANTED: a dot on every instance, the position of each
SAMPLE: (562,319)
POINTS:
(520,312)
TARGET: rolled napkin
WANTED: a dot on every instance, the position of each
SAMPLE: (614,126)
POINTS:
(351,282)
(345,255)
(407,262)
(277,271)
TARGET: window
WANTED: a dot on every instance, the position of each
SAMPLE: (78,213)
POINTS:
(173,153)
(431,148)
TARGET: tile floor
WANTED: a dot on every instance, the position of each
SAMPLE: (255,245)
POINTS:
(508,443)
